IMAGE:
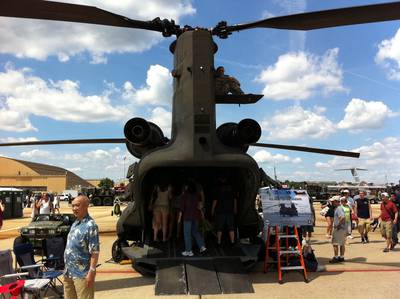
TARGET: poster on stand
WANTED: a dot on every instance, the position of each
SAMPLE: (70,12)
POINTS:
(286,207)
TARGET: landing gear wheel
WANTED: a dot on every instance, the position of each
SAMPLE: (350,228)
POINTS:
(116,250)
(117,210)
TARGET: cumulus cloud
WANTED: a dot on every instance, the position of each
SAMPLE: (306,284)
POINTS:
(163,119)
(35,154)
(300,75)
(23,94)
(158,89)
(381,158)
(39,39)
(264,156)
(96,163)
(362,114)
(296,122)
(14,121)
(388,56)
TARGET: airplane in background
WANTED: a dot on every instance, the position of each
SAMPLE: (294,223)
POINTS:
(354,172)
(370,189)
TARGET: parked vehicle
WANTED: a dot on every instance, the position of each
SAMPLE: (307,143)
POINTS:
(46,226)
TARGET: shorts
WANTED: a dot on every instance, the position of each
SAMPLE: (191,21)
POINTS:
(364,224)
(161,209)
(386,229)
(225,220)
(339,236)
(307,228)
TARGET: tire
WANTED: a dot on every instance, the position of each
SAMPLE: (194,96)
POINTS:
(116,250)
(96,201)
(117,209)
(108,201)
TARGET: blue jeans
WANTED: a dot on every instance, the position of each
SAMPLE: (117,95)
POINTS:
(191,228)
(394,233)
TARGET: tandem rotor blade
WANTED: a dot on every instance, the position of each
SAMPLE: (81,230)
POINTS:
(308,149)
(328,18)
(49,10)
(70,141)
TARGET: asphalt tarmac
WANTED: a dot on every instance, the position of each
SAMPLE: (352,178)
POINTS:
(367,272)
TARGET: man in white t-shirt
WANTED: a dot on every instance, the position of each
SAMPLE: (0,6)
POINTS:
(45,206)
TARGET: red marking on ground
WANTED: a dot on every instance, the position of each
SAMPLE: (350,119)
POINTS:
(363,270)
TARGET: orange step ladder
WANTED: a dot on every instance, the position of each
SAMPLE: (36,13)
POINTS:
(283,253)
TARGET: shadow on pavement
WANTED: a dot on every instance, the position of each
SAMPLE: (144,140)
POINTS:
(293,276)
(123,283)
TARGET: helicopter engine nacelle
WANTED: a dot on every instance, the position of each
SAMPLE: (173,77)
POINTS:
(142,136)
(239,135)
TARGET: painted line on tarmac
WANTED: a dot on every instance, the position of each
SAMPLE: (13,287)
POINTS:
(363,270)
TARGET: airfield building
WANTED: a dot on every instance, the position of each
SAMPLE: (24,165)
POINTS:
(37,176)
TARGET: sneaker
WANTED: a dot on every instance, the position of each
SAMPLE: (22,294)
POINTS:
(386,250)
(187,253)
(202,249)
(341,259)
(350,237)
(392,246)
(366,239)
(334,260)
(363,240)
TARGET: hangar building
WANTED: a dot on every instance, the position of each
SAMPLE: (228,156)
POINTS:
(36,176)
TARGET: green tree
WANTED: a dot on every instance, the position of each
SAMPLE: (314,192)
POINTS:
(106,183)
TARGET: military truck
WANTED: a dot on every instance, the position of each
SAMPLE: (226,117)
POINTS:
(45,226)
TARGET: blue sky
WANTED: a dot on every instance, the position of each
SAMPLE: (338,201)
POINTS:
(333,88)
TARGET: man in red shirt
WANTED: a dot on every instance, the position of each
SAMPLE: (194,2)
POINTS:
(388,216)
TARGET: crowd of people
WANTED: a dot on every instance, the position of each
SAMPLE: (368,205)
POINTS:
(177,207)
(344,213)
(44,203)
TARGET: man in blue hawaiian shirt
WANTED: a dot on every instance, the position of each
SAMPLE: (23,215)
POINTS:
(81,253)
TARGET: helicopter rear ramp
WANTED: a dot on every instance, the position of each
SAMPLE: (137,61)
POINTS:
(218,271)
(202,276)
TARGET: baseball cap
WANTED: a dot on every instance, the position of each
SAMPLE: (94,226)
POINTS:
(346,191)
(385,194)
(335,198)
(343,198)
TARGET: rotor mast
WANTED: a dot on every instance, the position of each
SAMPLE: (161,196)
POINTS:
(193,109)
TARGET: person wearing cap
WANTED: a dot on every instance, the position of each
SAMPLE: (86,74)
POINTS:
(363,211)
(339,231)
(350,203)
(388,216)
(347,213)
(395,229)
(350,200)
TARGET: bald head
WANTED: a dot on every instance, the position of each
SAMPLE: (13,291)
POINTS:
(80,206)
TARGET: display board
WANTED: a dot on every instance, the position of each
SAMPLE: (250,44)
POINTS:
(286,207)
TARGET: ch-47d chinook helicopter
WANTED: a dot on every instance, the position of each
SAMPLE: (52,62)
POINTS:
(197,149)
